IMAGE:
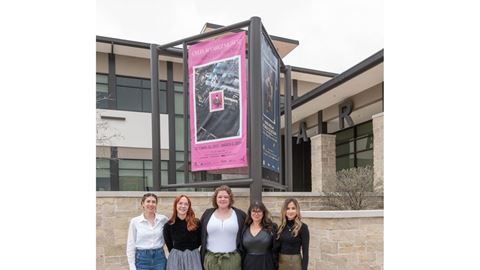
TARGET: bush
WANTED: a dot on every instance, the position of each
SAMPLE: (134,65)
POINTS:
(352,186)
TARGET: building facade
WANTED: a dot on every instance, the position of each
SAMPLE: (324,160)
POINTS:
(337,119)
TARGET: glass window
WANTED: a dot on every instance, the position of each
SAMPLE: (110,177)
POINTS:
(130,164)
(102,78)
(146,83)
(344,135)
(179,134)
(354,146)
(133,174)
(147,164)
(164,165)
(129,81)
(365,128)
(129,99)
(103,175)
(178,87)
(178,103)
(147,100)
(179,166)
(162,100)
(134,94)
(164,175)
(131,180)
(102,88)
(102,91)
(180,156)
(365,143)
(365,158)
(345,162)
(164,172)
(180,177)
(162,85)
(345,148)
(149,179)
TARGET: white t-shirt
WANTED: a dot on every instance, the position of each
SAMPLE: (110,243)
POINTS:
(222,235)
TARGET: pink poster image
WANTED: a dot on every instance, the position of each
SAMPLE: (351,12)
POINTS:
(218,103)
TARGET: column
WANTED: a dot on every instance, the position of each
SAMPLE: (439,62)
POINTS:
(377,120)
(323,163)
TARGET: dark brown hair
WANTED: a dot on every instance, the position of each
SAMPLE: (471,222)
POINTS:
(146,195)
(266,221)
(222,188)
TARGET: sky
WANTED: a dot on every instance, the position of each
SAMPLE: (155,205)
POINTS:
(334,35)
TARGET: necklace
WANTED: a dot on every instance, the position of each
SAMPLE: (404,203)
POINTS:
(289,227)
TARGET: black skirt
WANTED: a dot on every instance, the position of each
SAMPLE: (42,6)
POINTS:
(258,262)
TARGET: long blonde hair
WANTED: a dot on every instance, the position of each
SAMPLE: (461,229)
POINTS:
(298,218)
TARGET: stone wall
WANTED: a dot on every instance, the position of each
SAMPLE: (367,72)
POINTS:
(377,121)
(338,239)
(323,157)
(345,242)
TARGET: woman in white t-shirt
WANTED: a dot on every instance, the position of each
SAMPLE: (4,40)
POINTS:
(145,237)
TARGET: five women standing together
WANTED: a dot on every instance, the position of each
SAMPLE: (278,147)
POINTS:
(228,238)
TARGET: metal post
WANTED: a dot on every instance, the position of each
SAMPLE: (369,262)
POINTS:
(186,102)
(205,35)
(172,153)
(322,126)
(255,103)
(155,118)
(112,82)
(288,128)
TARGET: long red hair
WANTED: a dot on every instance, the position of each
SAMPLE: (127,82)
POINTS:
(190,218)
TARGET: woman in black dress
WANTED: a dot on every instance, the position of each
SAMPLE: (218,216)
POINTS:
(257,239)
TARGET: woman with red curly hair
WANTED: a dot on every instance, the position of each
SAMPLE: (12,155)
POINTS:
(182,235)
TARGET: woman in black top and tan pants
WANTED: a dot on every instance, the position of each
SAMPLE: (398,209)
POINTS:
(292,236)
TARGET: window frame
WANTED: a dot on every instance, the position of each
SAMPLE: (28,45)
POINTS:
(354,139)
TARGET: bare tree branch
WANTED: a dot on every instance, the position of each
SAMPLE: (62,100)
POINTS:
(352,186)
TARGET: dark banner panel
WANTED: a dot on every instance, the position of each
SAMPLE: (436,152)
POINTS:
(270,113)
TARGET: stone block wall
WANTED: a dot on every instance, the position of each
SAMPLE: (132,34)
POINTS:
(377,122)
(337,241)
(354,243)
(323,159)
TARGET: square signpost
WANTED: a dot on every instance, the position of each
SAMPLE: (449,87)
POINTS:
(255,94)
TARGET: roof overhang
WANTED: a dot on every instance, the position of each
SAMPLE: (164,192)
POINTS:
(135,49)
(283,45)
(357,79)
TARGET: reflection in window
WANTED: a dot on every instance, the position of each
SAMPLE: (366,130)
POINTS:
(137,174)
(102,91)
(354,146)
(103,174)
(133,94)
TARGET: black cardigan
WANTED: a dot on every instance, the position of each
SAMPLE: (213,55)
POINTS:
(241,216)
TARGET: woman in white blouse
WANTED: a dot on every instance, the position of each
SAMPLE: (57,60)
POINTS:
(145,237)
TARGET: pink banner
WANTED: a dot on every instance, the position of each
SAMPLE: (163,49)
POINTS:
(218,103)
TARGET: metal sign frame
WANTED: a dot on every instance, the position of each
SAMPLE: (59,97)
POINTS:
(254,112)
